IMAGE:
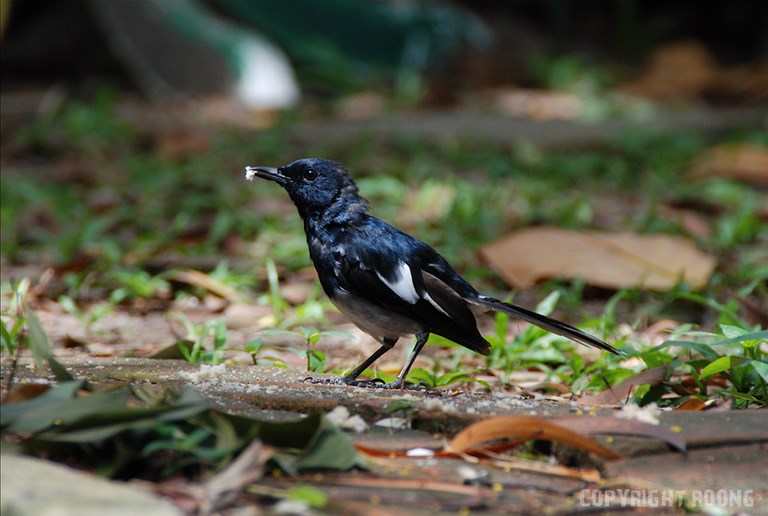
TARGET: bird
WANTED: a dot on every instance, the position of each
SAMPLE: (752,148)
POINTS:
(387,282)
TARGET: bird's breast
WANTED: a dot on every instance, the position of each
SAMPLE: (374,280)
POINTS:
(373,319)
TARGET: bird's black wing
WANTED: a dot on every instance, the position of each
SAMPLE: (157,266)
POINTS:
(441,269)
(386,269)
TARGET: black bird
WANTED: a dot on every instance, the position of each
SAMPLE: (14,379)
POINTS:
(387,282)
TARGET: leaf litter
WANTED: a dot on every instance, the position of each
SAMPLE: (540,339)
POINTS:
(627,260)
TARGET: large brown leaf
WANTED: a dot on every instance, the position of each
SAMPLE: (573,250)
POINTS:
(613,260)
(524,428)
(743,162)
(619,393)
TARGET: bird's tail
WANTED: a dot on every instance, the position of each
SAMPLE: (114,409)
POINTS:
(549,324)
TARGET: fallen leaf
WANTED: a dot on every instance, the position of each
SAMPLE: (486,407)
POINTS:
(222,488)
(206,282)
(743,162)
(609,425)
(360,106)
(692,222)
(239,316)
(692,404)
(539,104)
(182,144)
(428,203)
(661,79)
(543,468)
(25,391)
(612,260)
(619,393)
(297,292)
(524,428)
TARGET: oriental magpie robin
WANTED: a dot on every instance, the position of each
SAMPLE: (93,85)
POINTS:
(387,282)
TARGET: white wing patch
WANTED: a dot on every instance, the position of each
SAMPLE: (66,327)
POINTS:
(403,283)
(434,303)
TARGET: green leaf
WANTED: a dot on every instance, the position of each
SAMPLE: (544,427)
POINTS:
(330,448)
(52,411)
(310,495)
(315,361)
(547,305)
(293,434)
(10,412)
(716,366)
(540,354)
(41,348)
(761,368)
(254,346)
(743,338)
(731,331)
(703,349)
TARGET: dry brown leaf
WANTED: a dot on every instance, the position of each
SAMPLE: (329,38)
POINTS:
(25,391)
(692,222)
(539,104)
(608,425)
(182,144)
(618,393)
(662,79)
(692,404)
(206,282)
(360,106)
(613,260)
(555,470)
(743,162)
(524,428)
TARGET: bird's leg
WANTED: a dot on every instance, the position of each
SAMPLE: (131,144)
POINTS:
(421,339)
(349,379)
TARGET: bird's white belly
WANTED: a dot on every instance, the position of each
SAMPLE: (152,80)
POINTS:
(372,319)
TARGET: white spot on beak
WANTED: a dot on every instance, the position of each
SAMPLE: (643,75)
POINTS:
(250,173)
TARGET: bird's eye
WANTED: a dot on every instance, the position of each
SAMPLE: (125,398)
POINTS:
(310,174)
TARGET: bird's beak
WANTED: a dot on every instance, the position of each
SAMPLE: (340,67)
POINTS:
(269,173)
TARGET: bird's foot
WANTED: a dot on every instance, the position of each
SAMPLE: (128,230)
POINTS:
(340,380)
(375,383)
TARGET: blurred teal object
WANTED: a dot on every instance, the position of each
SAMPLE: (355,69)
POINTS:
(333,37)
(225,47)
(181,48)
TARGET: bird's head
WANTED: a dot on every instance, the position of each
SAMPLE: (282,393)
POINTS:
(314,184)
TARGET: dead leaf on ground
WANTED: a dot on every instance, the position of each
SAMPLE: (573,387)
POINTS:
(297,292)
(360,106)
(181,144)
(612,260)
(618,393)
(661,79)
(25,391)
(608,425)
(429,203)
(206,282)
(743,162)
(693,404)
(543,468)
(222,489)
(539,104)
(693,223)
(242,315)
(524,428)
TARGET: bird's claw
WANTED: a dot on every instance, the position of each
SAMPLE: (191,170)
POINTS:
(339,380)
(375,383)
